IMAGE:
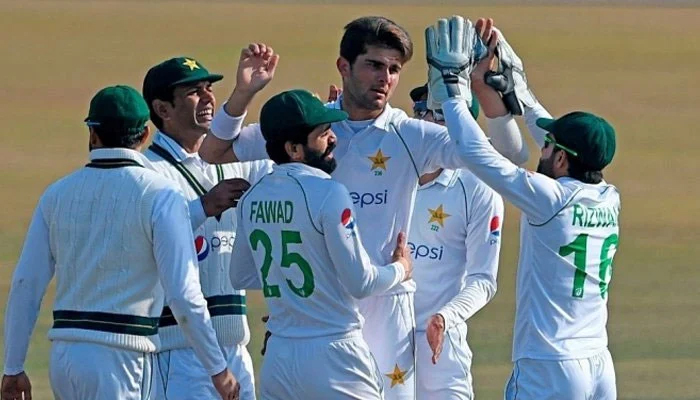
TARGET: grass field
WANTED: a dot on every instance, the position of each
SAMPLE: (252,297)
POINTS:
(637,66)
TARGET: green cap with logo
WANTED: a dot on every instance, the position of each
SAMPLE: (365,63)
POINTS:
(173,72)
(293,111)
(591,137)
(118,107)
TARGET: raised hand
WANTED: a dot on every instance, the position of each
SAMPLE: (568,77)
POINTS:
(506,74)
(452,48)
(256,67)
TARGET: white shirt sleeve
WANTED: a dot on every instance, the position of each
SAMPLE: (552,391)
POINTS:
(531,115)
(243,272)
(197,214)
(34,271)
(225,126)
(537,195)
(250,144)
(507,139)
(483,244)
(349,257)
(179,274)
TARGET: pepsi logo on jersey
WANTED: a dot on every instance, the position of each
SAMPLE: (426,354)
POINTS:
(369,199)
(347,220)
(423,251)
(203,246)
(494,229)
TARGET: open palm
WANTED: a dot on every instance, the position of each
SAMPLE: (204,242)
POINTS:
(256,67)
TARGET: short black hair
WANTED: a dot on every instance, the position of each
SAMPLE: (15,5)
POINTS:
(374,31)
(275,148)
(116,137)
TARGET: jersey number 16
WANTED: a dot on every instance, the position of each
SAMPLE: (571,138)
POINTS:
(579,248)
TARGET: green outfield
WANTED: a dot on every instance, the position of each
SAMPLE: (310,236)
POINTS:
(637,66)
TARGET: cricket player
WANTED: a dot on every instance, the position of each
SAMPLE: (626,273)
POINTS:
(381,153)
(569,233)
(181,102)
(455,243)
(299,244)
(117,237)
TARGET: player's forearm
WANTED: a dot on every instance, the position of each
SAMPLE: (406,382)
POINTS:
(531,115)
(478,291)
(376,280)
(34,271)
(507,139)
(179,275)
(217,147)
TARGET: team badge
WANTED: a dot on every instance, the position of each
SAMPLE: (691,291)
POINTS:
(378,162)
(437,215)
(397,376)
(202,247)
(494,229)
(348,222)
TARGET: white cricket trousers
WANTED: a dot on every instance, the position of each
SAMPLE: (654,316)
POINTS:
(451,377)
(389,330)
(590,378)
(337,367)
(181,376)
(82,370)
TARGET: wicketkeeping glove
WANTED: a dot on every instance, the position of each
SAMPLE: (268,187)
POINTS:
(510,79)
(453,49)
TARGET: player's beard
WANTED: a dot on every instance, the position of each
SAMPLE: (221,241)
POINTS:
(318,159)
(546,166)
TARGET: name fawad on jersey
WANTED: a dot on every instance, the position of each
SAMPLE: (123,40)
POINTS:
(272,212)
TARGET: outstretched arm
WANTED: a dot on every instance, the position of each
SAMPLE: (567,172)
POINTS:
(256,68)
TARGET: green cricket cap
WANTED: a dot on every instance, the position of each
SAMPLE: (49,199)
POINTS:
(590,136)
(173,72)
(120,107)
(289,112)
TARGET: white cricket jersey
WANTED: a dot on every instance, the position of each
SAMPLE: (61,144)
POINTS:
(380,166)
(117,237)
(298,241)
(213,238)
(568,237)
(455,242)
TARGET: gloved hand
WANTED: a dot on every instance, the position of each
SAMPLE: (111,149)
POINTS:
(510,79)
(453,49)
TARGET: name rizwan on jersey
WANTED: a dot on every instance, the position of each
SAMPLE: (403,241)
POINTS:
(598,217)
(272,212)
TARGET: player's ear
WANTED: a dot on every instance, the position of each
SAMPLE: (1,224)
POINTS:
(161,108)
(343,66)
(95,141)
(146,136)
(561,160)
(295,151)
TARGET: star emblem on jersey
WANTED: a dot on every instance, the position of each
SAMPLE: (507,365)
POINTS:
(396,376)
(378,162)
(192,64)
(439,216)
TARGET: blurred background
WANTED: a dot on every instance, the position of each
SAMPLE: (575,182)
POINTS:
(634,62)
